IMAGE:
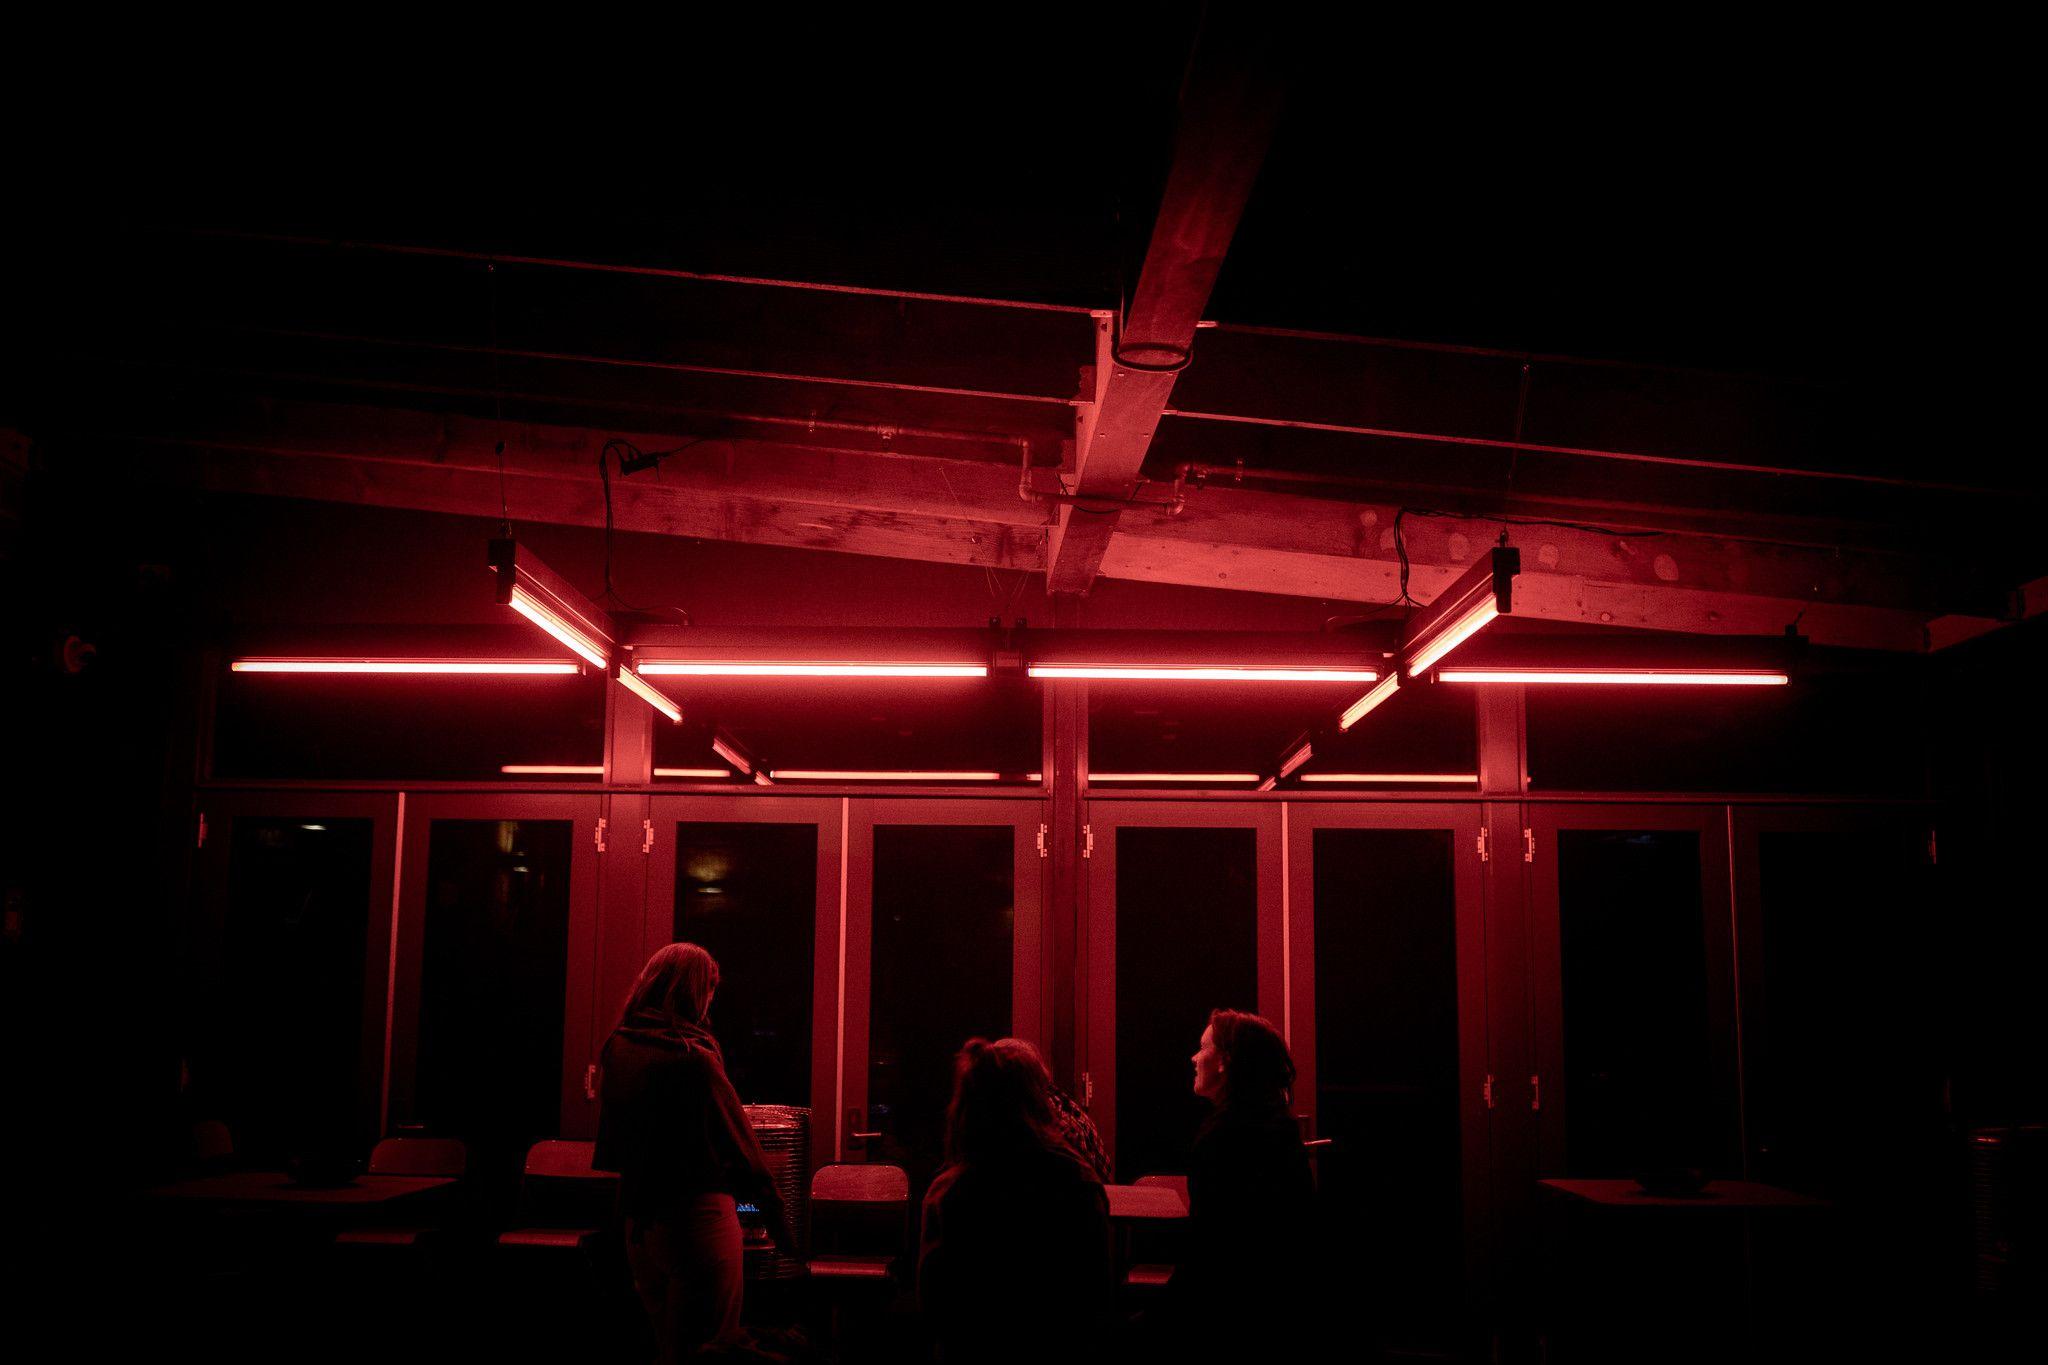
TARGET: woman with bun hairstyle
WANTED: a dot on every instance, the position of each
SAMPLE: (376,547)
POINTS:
(675,1131)
(1014,1262)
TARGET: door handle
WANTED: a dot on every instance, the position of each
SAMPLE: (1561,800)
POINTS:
(853,1128)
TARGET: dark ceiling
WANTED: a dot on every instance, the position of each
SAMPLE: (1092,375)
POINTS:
(1764,230)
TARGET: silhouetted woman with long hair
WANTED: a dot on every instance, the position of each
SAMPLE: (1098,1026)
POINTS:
(1241,1290)
(673,1128)
(1014,1260)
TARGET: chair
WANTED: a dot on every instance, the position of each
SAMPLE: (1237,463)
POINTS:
(403,1156)
(1146,1277)
(563,1203)
(860,1221)
(213,1145)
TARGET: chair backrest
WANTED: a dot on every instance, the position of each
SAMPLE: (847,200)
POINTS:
(420,1156)
(212,1142)
(560,1189)
(562,1159)
(851,1182)
(1177,1183)
(860,1209)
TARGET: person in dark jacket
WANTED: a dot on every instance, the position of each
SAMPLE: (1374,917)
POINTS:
(1241,1289)
(1014,1263)
(673,1128)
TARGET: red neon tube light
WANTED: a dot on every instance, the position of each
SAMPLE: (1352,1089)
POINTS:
(1366,704)
(1296,759)
(1406,779)
(538,612)
(1203,673)
(656,667)
(652,695)
(597,770)
(732,756)
(471,667)
(1173,777)
(1670,677)
(1463,628)
(890,775)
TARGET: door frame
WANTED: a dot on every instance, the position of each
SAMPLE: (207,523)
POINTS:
(1030,993)
(1098,966)
(207,922)
(624,949)
(576,1116)
(1546,950)
(1464,820)
(1746,826)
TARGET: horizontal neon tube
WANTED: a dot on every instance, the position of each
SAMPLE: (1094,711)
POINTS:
(652,695)
(548,620)
(469,666)
(1454,634)
(1363,707)
(1679,677)
(1173,777)
(1408,779)
(597,770)
(1203,674)
(654,668)
(893,775)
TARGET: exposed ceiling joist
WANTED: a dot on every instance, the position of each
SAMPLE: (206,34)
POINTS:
(1229,107)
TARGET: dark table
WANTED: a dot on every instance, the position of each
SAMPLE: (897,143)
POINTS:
(1632,1274)
(1137,1203)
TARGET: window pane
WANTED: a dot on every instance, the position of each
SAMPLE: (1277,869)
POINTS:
(493,985)
(944,923)
(1186,943)
(749,893)
(280,1058)
(1848,1068)
(1641,1089)
(1387,1062)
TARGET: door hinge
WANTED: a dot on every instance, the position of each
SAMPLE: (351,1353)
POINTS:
(1087,841)
(590,1081)
(1528,845)
(202,831)
(647,836)
(1483,854)
(1486,1091)
(600,833)
(1536,1092)
(1041,841)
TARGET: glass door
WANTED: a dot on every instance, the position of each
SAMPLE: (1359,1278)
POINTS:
(289,950)
(1632,990)
(756,880)
(1846,1003)
(942,940)
(492,1009)
(1184,916)
(1384,989)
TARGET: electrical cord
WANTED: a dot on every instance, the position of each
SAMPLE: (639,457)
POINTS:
(631,461)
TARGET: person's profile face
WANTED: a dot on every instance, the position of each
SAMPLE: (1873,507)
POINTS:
(1208,1067)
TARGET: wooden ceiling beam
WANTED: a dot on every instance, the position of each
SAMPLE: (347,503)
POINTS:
(1229,107)
(970,514)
